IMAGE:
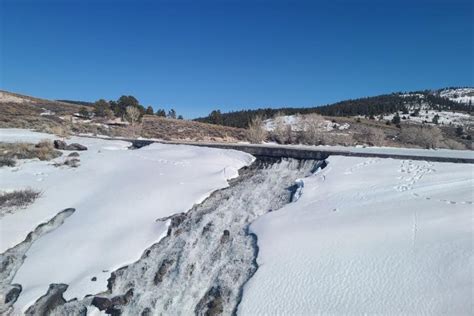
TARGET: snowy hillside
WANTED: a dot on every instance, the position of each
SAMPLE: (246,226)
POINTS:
(369,236)
(117,193)
(460,95)
(297,123)
(427,116)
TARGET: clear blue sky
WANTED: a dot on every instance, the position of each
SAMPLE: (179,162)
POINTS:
(233,54)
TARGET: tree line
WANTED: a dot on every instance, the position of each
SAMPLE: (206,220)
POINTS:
(118,108)
(368,106)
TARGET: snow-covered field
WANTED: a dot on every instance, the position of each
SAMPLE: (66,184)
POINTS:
(369,236)
(118,194)
(365,236)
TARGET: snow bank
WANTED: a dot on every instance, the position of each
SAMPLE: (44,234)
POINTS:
(118,194)
(369,236)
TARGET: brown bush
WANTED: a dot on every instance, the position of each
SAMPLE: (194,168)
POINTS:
(282,132)
(311,132)
(372,136)
(9,201)
(452,144)
(426,137)
(44,150)
(256,133)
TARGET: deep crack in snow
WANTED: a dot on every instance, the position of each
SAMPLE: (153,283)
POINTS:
(208,255)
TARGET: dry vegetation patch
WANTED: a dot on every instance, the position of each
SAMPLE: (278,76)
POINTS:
(44,150)
(173,129)
(11,201)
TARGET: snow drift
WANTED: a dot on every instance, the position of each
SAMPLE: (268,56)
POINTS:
(369,236)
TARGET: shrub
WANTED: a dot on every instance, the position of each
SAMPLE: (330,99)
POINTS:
(44,150)
(396,119)
(7,162)
(256,133)
(427,137)
(373,136)
(311,133)
(17,199)
(84,112)
(452,144)
(282,133)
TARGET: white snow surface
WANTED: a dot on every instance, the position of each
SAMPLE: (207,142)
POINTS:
(369,236)
(118,194)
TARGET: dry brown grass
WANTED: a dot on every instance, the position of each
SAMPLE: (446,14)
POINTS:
(44,150)
(9,201)
(171,129)
(452,144)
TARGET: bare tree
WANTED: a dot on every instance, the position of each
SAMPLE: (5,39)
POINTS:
(282,132)
(311,131)
(133,114)
(373,136)
(256,132)
(427,137)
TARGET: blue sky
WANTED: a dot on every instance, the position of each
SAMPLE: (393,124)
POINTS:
(196,56)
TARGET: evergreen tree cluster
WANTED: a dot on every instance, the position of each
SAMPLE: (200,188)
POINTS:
(118,108)
(369,107)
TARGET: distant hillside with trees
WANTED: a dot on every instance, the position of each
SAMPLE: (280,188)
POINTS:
(121,108)
(368,106)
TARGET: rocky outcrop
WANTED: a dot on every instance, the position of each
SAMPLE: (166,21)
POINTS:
(48,302)
(62,145)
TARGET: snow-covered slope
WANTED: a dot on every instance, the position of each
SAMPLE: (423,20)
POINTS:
(117,194)
(369,236)
(297,123)
(460,95)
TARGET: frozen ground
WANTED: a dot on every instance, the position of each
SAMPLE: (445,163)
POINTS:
(369,236)
(117,194)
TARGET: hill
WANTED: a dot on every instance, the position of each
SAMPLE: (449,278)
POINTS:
(449,99)
(61,118)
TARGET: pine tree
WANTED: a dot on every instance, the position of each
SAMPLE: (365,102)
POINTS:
(149,110)
(172,114)
(396,119)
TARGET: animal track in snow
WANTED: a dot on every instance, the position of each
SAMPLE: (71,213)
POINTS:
(361,165)
(412,173)
(442,200)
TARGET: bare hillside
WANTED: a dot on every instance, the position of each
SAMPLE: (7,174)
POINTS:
(20,111)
